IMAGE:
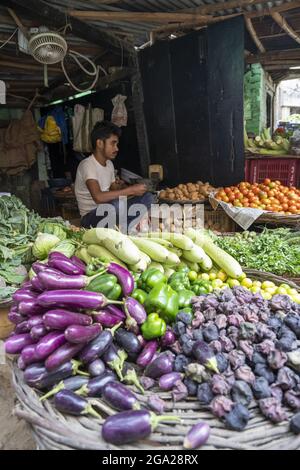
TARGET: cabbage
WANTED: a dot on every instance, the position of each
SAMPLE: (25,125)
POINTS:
(66,247)
(43,244)
(54,229)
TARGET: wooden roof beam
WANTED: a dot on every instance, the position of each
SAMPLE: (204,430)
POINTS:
(254,36)
(143,17)
(285,26)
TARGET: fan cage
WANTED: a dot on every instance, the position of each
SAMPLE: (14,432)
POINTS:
(48,48)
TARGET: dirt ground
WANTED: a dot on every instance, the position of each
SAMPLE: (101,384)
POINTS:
(15,434)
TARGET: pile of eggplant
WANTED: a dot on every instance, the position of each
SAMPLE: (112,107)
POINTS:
(75,345)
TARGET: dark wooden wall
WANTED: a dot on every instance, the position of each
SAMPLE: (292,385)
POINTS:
(193,104)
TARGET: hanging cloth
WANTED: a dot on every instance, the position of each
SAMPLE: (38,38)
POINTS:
(119,114)
(2,92)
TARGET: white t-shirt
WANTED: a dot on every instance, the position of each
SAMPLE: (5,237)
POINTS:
(91,169)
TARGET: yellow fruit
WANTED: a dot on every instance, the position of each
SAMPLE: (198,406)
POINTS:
(256,284)
(271,290)
(291,291)
(204,276)
(212,276)
(296,298)
(266,295)
(217,283)
(246,282)
(221,275)
(281,290)
(233,282)
(192,275)
(285,286)
(255,289)
(242,276)
(267,284)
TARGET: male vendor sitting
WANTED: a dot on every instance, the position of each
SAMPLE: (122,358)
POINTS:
(95,180)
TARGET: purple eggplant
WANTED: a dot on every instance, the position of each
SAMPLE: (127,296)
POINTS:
(30,308)
(29,355)
(64,353)
(162,365)
(35,321)
(96,368)
(37,286)
(119,397)
(98,346)
(94,387)
(15,317)
(20,363)
(37,267)
(197,436)
(51,279)
(167,381)
(22,327)
(36,375)
(14,344)
(26,285)
(205,355)
(80,264)
(23,294)
(67,401)
(135,312)
(147,353)
(71,383)
(79,334)
(142,340)
(49,343)
(60,319)
(105,318)
(168,339)
(124,277)
(130,426)
(64,264)
(114,310)
(128,341)
(38,331)
(115,359)
(73,299)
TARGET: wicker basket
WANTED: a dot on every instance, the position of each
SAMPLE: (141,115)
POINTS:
(55,431)
(279,219)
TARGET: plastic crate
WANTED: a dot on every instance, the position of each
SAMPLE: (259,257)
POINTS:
(282,169)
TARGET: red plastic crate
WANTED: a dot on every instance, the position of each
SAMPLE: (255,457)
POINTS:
(282,169)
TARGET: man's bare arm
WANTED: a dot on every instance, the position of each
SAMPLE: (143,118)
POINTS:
(101,197)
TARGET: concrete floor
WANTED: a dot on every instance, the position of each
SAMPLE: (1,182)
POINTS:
(15,434)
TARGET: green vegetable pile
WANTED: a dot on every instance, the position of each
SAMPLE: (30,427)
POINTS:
(276,251)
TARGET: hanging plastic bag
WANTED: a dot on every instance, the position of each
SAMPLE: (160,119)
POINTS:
(119,114)
(51,133)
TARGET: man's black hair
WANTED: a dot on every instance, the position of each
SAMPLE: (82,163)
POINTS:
(104,130)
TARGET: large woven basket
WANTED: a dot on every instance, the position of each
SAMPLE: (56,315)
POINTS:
(278,219)
(55,431)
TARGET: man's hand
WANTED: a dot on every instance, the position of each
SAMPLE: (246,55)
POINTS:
(137,189)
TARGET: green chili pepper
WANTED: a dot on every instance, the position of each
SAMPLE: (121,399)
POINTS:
(139,295)
(185,297)
(106,284)
(163,300)
(153,327)
(150,278)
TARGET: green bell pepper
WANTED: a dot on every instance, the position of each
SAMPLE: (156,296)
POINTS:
(163,300)
(185,297)
(106,284)
(139,295)
(201,287)
(150,278)
(182,267)
(179,281)
(153,327)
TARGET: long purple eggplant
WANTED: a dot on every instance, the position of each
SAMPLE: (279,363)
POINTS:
(106,318)
(37,267)
(77,299)
(114,310)
(49,343)
(35,321)
(71,383)
(67,401)
(14,316)
(133,425)
(22,327)
(96,368)
(80,264)
(64,264)
(26,285)
(168,339)
(147,353)
(135,313)
(128,341)
(197,436)
(65,353)
(38,331)
(125,278)
(37,285)
(36,375)
(14,344)
(20,363)
(30,307)
(29,355)
(95,386)
(79,334)
(23,294)
(60,319)
(120,397)
(56,280)
(98,346)
(167,381)
(162,365)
